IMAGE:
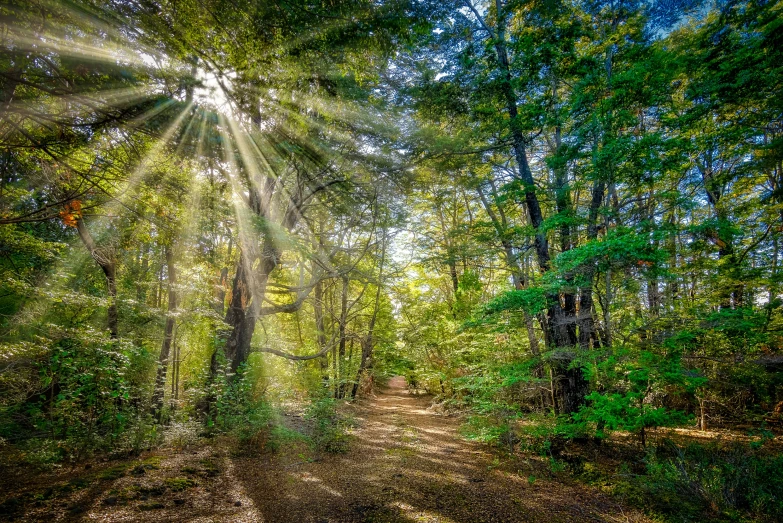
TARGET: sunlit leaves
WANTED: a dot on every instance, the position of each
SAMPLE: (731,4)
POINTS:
(71,212)
(532,300)
(620,248)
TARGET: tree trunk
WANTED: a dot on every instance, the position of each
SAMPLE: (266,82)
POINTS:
(588,336)
(220,287)
(367,343)
(175,367)
(109,268)
(168,333)
(341,352)
(518,277)
(220,291)
(144,266)
(730,289)
(571,385)
(250,282)
(318,312)
(248,293)
(365,363)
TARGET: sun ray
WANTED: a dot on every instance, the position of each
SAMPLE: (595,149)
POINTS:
(156,148)
(77,254)
(82,116)
(73,49)
(247,146)
(79,34)
(191,195)
(245,225)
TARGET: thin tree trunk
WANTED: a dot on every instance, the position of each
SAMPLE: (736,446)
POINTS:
(318,313)
(144,263)
(335,376)
(367,343)
(109,268)
(587,332)
(175,364)
(168,333)
(518,277)
(220,291)
(341,351)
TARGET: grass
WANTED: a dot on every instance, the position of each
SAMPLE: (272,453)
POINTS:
(113,473)
(180,484)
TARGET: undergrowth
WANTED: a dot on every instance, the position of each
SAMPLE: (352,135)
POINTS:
(329,430)
(720,482)
(729,482)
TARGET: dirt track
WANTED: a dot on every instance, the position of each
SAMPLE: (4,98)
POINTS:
(405,463)
(409,464)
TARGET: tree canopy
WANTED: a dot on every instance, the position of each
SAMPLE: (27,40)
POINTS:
(569,212)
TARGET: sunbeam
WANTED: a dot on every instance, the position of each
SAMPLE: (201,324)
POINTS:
(391,260)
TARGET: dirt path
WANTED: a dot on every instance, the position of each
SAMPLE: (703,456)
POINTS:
(405,463)
(409,464)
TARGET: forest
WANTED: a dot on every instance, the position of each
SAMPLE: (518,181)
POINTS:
(391,260)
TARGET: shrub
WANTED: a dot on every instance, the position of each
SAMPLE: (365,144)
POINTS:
(637,378)
(42,453)
(82,399)
(493,430)
(234,408)
(329,428)
(730,482)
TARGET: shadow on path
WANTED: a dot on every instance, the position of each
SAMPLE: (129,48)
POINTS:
(406,464)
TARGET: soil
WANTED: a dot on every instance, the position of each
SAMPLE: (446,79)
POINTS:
(404,463)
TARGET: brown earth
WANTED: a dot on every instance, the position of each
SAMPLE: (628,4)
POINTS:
(409,464)
(405,463)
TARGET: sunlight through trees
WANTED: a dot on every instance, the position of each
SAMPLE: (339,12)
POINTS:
(562,219)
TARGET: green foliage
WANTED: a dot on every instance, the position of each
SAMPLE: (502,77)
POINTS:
(468,293)
(618,249)
(329,426)
(723,482)
(236,409)
(83,403)
(532,300)
(634,380)
(498,430)
(42,453)
(26,252)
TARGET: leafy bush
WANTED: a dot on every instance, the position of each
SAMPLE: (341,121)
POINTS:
(494,430)
(280,436)
(43,453)
(141,432)
(235,408)
(329,428)
(636,379)
(81,399)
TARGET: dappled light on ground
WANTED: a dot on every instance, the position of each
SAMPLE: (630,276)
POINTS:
(407,463)
(195,486)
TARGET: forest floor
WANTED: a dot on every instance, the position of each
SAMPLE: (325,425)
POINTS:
(404,463)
